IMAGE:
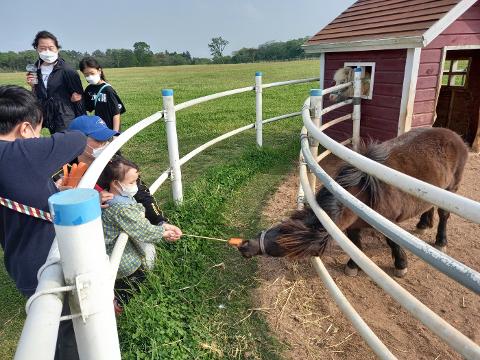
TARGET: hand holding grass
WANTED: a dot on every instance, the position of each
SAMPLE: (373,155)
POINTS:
(171,233)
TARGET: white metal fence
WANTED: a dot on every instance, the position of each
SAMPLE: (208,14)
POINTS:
(89,290)
(455,203)
(93,322)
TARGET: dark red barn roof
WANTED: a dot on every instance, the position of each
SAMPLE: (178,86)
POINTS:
(385,24)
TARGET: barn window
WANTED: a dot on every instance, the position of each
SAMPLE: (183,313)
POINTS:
(455,72)
(368,73)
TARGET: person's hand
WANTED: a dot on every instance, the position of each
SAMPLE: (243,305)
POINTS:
(75,97)
(60,186)
(31,79)
(171,233)
(104,197)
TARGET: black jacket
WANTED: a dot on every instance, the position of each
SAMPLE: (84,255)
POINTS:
(58,110)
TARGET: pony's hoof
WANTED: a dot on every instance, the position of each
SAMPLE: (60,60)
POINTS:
(441,248)
(420,231)
(400,273)
(351,271)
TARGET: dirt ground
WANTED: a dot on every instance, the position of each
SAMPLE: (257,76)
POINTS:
(303,317)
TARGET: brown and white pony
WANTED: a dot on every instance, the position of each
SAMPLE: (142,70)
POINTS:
(345,75)
(434,155)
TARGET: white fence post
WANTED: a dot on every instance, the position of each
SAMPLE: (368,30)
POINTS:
(300,192)
(316,106)
(357,98)
(258,108)
(172,141)
(78,226)
(39,334)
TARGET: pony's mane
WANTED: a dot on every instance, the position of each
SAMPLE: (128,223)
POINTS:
(299,240)
(349,176)
(303,233)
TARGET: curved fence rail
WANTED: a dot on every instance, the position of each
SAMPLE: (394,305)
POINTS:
(444,330)
(358,323)
(455,203)
(444,199)
(446,264)
(164,176)
(40,330)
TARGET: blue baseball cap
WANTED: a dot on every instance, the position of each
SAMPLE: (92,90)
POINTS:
(93,126)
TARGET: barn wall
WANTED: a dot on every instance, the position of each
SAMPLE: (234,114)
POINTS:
(464,31)
(379,115)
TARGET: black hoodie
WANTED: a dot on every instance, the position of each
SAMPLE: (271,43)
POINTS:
(58,110)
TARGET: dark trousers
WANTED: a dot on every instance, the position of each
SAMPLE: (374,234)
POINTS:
(66,348)
(125,287)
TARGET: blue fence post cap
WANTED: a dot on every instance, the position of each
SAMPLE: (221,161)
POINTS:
(167,92)
(316,92)
(258,73)
(74,207)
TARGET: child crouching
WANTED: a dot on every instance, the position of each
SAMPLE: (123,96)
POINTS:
(124,214)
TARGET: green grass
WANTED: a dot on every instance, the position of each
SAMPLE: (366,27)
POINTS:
(191,306)
(11,314)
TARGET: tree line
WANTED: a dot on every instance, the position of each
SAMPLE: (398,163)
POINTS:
(142,55)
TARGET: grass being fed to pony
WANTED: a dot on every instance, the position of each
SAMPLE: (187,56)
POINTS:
(434,155)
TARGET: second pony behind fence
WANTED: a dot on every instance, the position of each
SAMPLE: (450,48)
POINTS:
(345,75)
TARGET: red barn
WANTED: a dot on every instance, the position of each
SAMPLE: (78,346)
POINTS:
(424,60)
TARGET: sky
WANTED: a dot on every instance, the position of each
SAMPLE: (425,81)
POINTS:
(179,25)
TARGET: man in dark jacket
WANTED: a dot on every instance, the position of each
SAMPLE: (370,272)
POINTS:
(55,84)
(27,162)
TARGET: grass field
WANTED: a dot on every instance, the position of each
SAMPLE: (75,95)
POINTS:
(196,303)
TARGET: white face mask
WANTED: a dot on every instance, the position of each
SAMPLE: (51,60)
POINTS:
(93,79)
(33,132)
(128,190)
(96,152)
(48,56)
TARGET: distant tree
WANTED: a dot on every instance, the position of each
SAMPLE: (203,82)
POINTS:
(271,50)
(121,57)
(294,48)
(72,57)
(186,55)
(8,61)
(278,50)
(17,61)
(201,61)
(127,58)
(98,54)
(113,56)
(216,46)
(143,53)
(104,60)
(244,55)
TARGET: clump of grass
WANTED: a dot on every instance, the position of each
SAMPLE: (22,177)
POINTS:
(12,315)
